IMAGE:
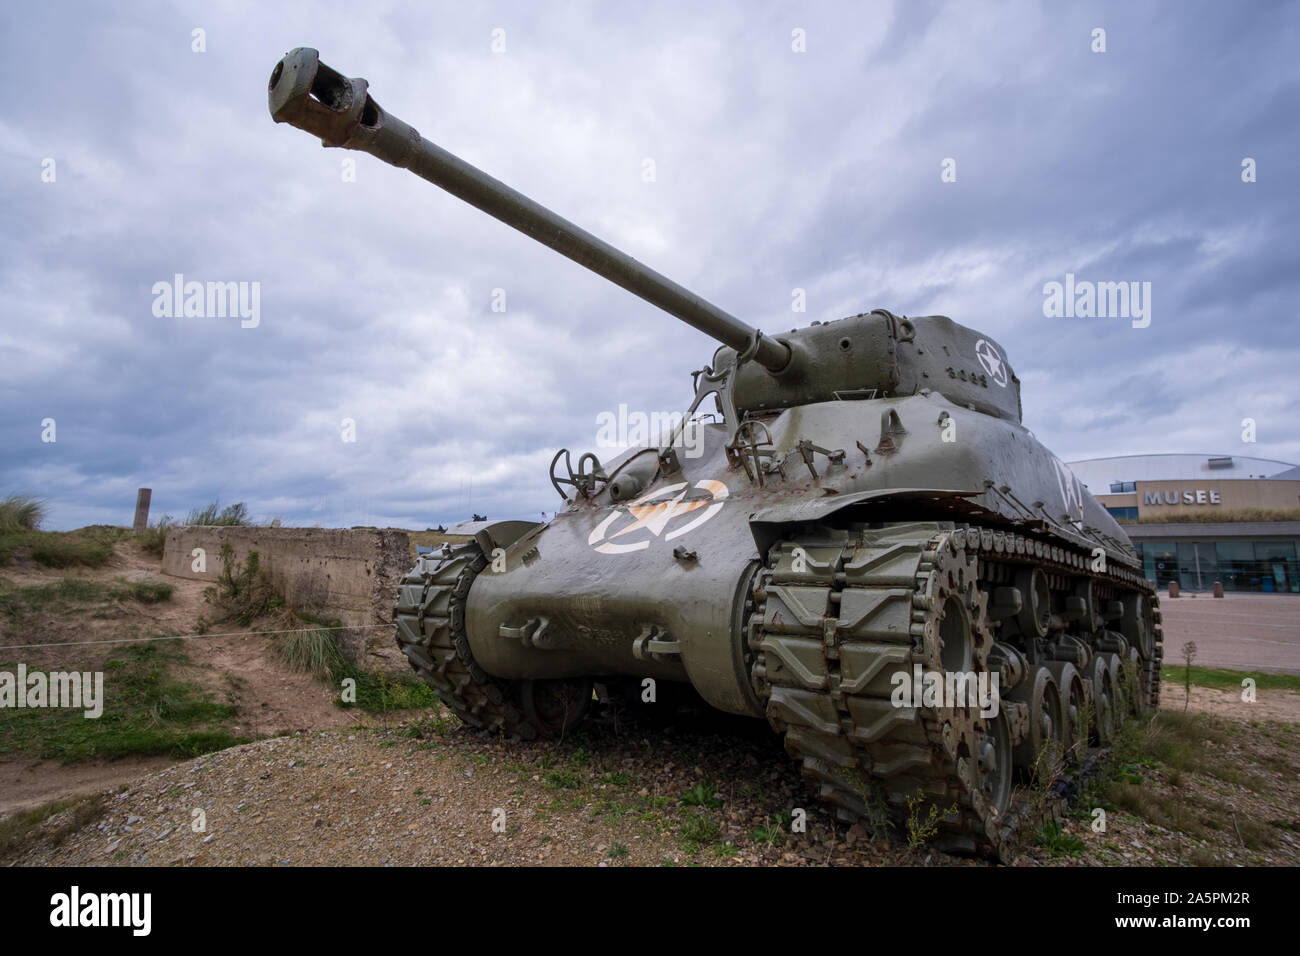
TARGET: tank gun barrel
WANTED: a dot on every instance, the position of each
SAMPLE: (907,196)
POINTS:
(306,93)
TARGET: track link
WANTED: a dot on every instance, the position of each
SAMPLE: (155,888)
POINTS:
(430,619)
(837,616)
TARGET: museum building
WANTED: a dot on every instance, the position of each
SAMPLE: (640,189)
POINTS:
(1244,554)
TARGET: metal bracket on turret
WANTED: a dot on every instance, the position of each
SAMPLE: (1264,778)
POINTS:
(585,483)
(807,450)
(891,432)
(746,447)
(706,382)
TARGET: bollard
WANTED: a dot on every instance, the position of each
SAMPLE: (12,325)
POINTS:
(1173,589)
(1218,589)
(141,510)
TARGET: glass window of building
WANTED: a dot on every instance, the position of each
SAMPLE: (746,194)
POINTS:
(1278,561)
(1266,566)
(1160,562)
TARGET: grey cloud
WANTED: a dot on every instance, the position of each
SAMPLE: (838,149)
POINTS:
(775,170)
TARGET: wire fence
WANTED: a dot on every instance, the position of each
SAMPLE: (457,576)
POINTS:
(194,637)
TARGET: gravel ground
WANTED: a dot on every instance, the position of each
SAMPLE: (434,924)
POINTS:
(388,797)
(423,793)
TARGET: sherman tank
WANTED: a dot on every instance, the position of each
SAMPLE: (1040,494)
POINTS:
(860,534)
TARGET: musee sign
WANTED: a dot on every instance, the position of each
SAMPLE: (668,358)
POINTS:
(1198,497)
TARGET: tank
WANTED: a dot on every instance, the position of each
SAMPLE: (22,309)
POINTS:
(856,540)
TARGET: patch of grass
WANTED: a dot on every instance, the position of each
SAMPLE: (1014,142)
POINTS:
(700,795)
(771,833)
(697,830)
(724,849)
(433,725)
(1232,773)
(1218,678)
(21,513)
(314,650)
(1057,842)
(231,516)
(1201,856)
(49,824)
(381,693)
(616,779)
(1255,835)
(1178,740)
(56,595)
(146,711)
(561,778)
(69,593)
(617,850)
(1129,773)
(1203,515)
(57,549)
(154,537)
(573,801)
(149,591)
(21,537)
(1169,811)
(611,810)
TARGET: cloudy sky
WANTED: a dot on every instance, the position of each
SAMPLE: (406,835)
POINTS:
(775,169)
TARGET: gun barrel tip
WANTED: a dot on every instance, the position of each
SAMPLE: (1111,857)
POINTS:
(296,59)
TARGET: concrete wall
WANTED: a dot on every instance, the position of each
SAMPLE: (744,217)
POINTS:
(348,574)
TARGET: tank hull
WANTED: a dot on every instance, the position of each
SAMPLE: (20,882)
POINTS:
(672,566)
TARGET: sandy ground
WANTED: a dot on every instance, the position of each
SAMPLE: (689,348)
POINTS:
(272,699)
(1246,632)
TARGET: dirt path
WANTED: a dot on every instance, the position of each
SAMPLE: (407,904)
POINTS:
(272,700)
(31,783)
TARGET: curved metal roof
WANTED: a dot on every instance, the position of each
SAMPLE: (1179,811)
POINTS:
(1099,473)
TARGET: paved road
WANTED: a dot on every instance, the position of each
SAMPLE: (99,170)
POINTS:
(1240,631)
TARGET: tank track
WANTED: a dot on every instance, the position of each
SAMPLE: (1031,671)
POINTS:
(430,619)
(835,617)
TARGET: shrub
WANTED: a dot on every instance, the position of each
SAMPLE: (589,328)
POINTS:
(214,514)
(242,590)
(21,513)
